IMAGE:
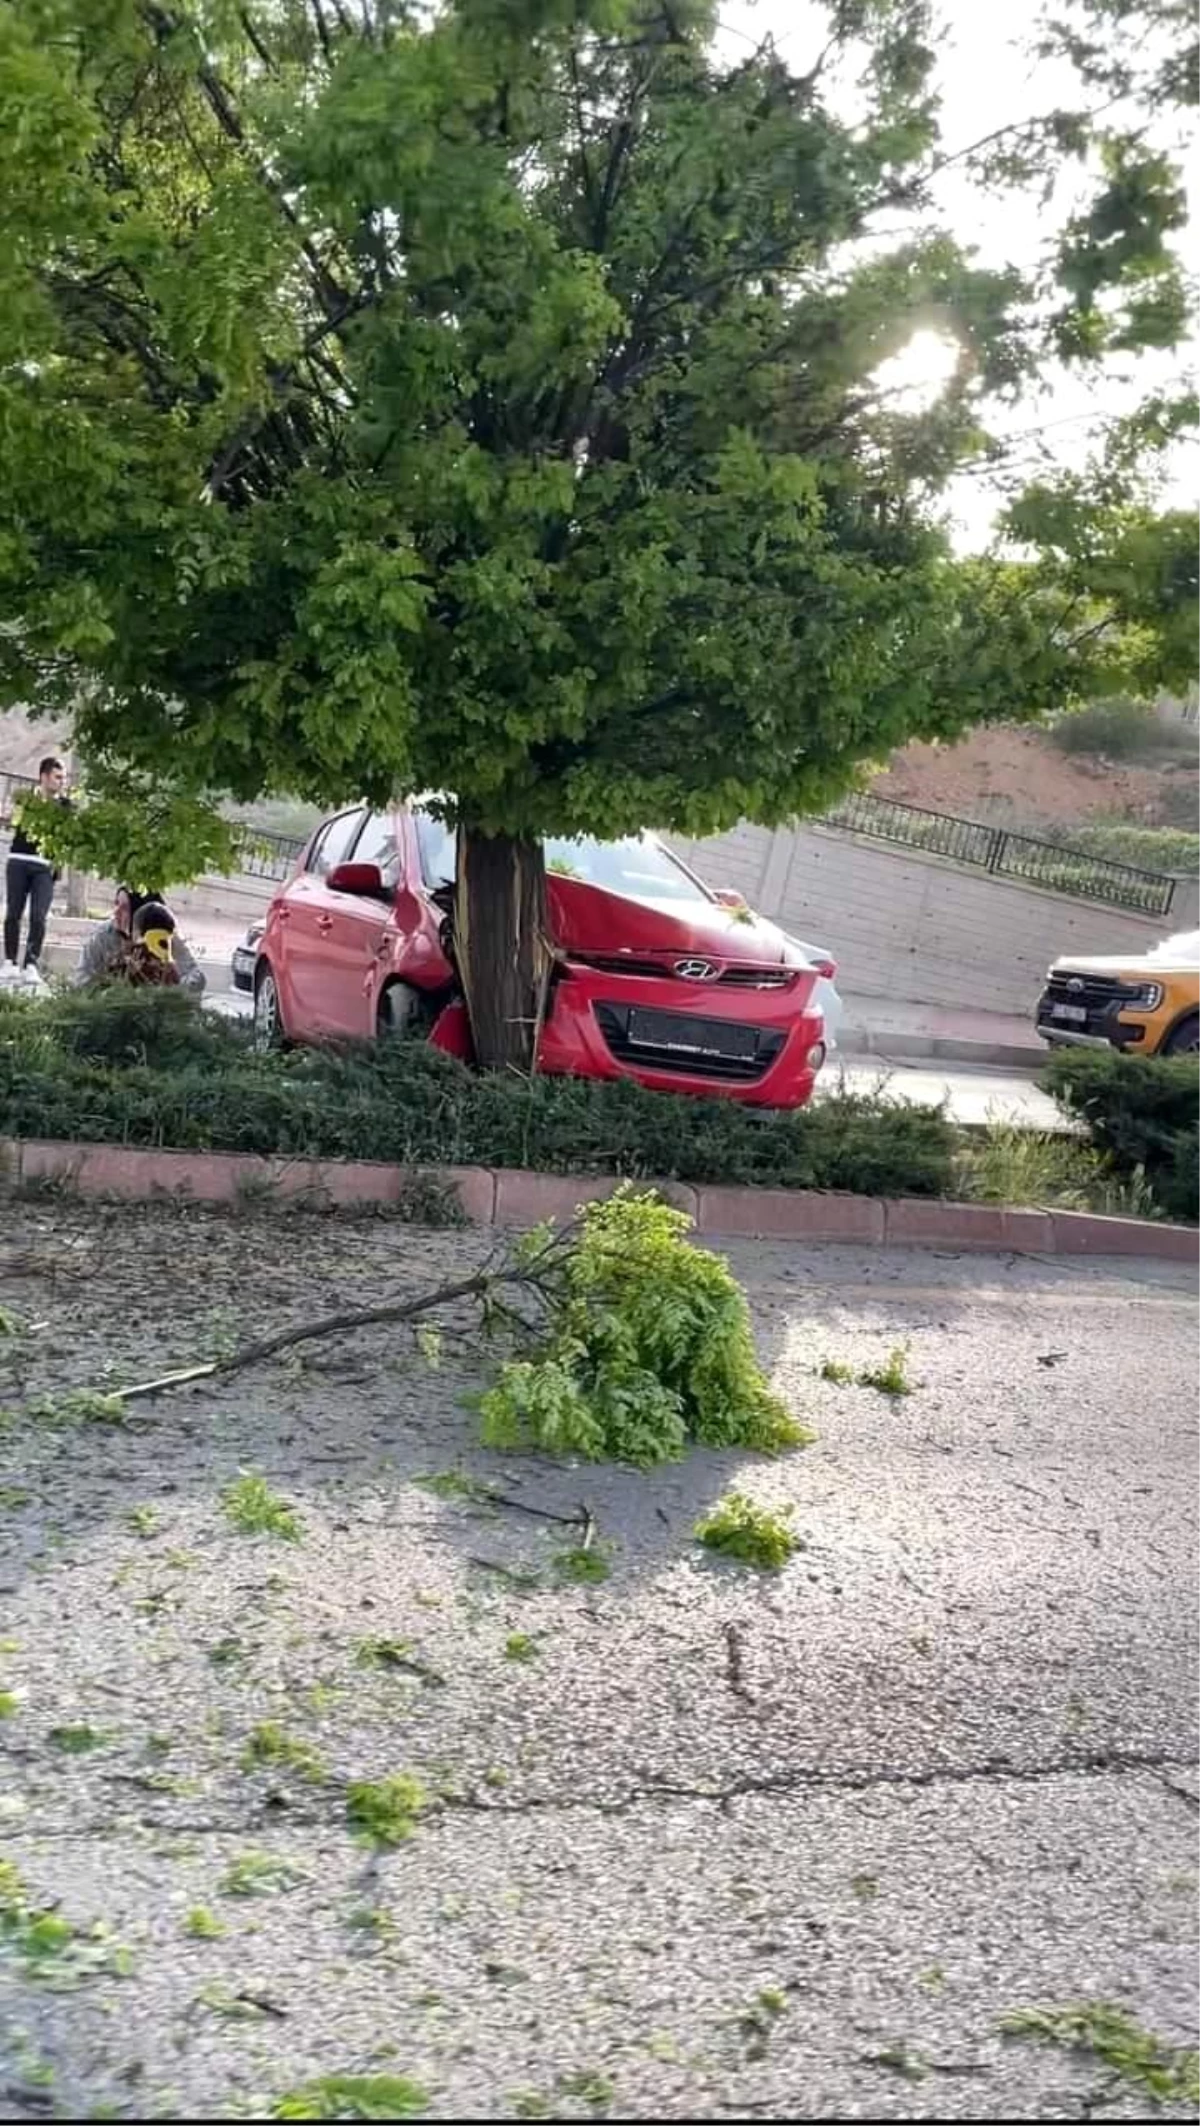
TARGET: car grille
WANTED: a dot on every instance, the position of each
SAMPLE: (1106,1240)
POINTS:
(738,977)
(1096,992)
(720,1049)
(757,977)
(1088,1005)
(606,963)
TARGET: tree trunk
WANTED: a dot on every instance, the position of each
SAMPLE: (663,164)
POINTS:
(501,945)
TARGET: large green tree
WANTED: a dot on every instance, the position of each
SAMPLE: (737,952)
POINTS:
(484,399)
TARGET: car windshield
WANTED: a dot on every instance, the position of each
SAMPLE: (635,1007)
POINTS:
(638,866)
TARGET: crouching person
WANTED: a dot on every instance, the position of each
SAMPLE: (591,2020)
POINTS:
(138,944)
(149,958)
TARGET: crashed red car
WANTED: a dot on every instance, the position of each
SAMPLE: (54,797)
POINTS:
(658,979)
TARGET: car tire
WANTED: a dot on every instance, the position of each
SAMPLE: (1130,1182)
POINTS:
(268,1018)
(398,1012)
(1184,1039)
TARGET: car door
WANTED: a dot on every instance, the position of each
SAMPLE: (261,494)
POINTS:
(310,906)
(357,934)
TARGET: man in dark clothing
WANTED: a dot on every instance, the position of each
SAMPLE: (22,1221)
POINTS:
(29,878)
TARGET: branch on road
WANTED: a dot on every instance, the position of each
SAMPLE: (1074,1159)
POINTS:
(533,1273)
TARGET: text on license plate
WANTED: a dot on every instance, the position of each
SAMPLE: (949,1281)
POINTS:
(691,1037)
(1077,1013)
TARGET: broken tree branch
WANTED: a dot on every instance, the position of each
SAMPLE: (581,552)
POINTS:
(530,1273)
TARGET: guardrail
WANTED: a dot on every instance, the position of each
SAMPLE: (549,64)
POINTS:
(1004,854)
(269,855)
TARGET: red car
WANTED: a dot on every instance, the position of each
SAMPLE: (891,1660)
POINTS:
(659,979)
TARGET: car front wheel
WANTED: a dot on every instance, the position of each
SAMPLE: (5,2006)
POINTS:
(268,1020)
(1185,1041)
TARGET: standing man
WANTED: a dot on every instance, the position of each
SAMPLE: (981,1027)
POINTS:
(30,878)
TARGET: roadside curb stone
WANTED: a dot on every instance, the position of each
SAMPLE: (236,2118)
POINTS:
(513,1196)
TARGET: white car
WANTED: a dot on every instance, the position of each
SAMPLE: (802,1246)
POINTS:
(824,994)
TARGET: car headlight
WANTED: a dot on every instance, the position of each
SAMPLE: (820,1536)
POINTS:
(1146,997)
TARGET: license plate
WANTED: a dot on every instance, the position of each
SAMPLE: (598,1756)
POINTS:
(1076,1013)
(691,1037)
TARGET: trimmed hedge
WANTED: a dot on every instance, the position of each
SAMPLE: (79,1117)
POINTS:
(1124,842)
(124,1066)
(1142,1113)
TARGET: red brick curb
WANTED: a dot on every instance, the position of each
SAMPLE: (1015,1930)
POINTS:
(512,1197)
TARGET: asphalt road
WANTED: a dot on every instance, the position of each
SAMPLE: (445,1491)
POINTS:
(717,1845)
(970,1093)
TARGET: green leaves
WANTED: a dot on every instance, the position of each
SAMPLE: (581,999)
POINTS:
(385,1812)
(1120,246)
(354,2096)
(489,403)
(254,1509)
(50,1950)
(648,1348)
(1160,2073)
(134,827)
(753,1535)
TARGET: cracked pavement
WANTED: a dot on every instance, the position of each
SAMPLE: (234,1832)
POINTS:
(725,1845)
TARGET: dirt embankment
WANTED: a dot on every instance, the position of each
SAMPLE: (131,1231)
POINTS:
(1020,776)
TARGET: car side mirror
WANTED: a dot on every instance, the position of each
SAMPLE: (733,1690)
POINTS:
(366,880)
(729,897)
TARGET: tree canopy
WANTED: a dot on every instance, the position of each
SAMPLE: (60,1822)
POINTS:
(484,398)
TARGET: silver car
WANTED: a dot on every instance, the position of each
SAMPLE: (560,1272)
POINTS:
(244,957)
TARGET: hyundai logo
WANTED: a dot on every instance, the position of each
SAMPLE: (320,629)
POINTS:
(695,970)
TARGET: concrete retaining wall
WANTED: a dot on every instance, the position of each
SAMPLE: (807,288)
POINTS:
(236,901)
(906,925)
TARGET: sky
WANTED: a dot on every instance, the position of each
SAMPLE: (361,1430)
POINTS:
(988,76)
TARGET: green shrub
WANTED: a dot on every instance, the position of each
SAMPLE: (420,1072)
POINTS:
(1135,1106)
(1176,1186)
(253,1508)
(1141,1113)
(1121,729)
(1124,842)
(890,1378)
(119,1024)
(647,1348)
(1003,1163)
(148,1069)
